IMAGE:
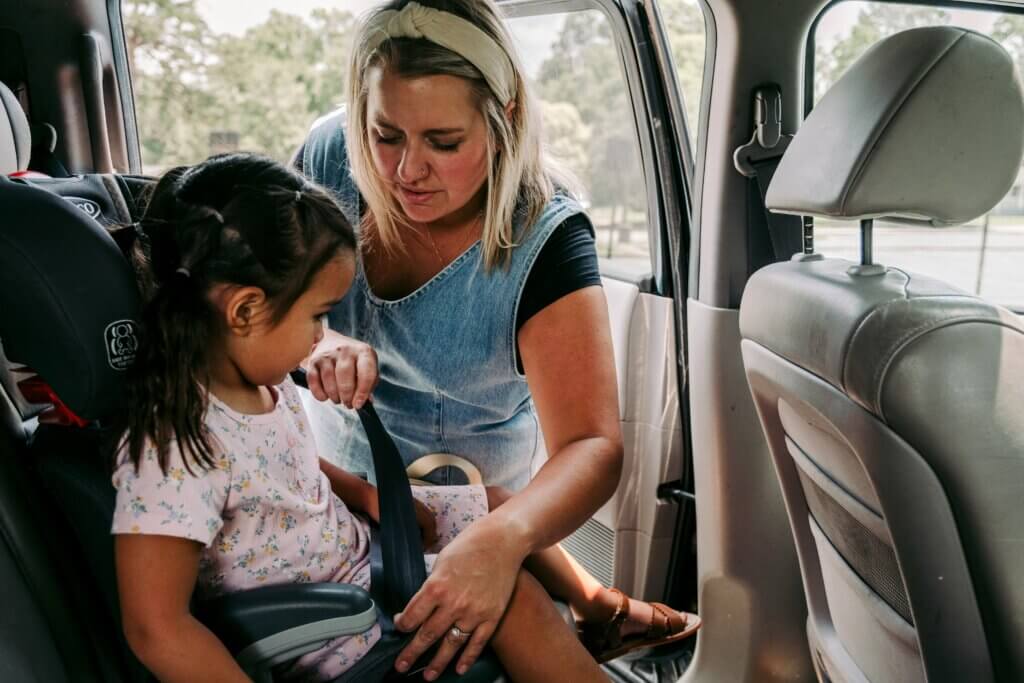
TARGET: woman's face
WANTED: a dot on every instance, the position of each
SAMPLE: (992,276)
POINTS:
(429,143)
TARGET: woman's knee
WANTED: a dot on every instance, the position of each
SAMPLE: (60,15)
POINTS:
(496,495)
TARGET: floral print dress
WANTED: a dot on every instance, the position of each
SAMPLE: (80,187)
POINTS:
(265,514)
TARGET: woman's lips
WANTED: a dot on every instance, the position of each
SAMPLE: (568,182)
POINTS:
(415,197)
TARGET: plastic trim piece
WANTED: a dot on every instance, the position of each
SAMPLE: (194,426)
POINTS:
(294,642)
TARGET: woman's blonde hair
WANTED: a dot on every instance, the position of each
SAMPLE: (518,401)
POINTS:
(520,180)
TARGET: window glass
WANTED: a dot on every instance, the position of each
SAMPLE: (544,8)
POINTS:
(208,78)
(575,69)
(684,26)
(982,257)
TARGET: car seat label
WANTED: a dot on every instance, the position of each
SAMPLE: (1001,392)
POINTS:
(91,208)
(122,341)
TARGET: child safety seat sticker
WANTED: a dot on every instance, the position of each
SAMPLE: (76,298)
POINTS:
(122,341)
(91,208)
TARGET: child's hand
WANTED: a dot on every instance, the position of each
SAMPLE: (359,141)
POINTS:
(427,523)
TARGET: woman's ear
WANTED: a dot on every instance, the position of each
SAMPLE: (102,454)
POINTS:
(510,109)
(243,308)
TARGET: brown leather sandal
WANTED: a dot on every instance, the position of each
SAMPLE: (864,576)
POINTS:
(605,642)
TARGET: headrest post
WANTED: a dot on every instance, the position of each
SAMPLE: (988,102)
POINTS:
(866,226)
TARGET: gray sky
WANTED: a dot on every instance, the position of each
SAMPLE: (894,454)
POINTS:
(226,17)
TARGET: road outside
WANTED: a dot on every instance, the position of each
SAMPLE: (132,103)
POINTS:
(953,255)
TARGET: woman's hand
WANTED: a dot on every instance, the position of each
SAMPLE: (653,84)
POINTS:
(469,588)
(342,370)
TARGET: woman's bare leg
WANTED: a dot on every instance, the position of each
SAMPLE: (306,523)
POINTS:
(563,577)
(534,643)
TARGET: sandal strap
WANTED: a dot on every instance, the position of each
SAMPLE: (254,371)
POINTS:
(609,634)
(613,627)
(664,615)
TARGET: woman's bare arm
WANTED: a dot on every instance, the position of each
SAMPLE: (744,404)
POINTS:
(567,356)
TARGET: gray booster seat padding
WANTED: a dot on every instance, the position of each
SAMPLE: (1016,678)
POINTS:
(927,126)
(80,343)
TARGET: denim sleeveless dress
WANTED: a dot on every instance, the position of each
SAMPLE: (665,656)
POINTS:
(449,381)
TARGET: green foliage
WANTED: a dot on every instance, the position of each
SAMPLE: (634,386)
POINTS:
(875,21)
(584,74)
(1009,31)
(684,25)
(170,43)
(267,85)
(275,79)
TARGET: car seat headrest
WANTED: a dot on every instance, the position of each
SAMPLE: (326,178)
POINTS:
(928,126)
(69,299)
(15,138)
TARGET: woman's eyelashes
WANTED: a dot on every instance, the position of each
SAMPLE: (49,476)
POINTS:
(439,145)
(445,146)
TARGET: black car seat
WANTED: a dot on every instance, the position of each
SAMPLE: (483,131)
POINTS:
(69,299)
(892,403)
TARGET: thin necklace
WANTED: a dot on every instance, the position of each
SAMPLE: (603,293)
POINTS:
(468,232)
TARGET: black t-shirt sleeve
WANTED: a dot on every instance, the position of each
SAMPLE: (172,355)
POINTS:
(567,262)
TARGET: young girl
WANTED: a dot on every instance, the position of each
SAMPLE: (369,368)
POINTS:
(219,484)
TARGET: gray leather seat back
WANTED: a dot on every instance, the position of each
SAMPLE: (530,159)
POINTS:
(15,135)
(893,404)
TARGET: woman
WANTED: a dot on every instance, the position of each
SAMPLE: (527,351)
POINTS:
(478,286)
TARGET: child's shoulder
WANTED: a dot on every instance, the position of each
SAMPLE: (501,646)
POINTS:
(291,403)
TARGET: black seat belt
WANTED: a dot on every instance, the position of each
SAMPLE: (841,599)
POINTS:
(401,569)
(771,237)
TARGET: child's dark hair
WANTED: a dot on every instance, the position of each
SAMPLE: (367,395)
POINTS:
(235,218)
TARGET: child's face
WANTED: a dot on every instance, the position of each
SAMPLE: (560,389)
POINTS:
(270,352)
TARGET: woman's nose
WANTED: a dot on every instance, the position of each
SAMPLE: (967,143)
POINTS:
(413,166)
(319,335)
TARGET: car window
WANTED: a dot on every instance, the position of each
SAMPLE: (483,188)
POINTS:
(684,27)
(574,65)
(209,80)
(982,257)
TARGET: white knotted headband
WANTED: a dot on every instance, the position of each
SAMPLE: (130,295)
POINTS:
(451,32)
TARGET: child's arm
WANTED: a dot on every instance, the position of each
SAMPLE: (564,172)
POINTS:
(361,496)
(155,579)
(357,494)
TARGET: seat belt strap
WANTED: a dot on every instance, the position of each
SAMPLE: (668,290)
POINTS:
(787,233)
(401,548)
(770,237)
(401,569)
